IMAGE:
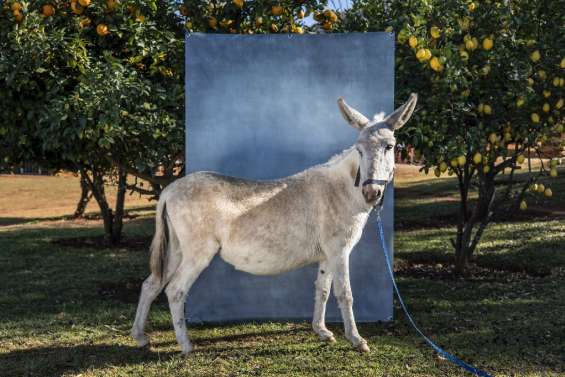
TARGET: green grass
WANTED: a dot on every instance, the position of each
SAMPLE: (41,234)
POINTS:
(67,310)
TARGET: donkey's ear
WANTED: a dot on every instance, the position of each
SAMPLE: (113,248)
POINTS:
(401,115)
(352,116)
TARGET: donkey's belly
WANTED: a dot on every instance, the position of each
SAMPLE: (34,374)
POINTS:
(261,258)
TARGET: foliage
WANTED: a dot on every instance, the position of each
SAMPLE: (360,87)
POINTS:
(490,76)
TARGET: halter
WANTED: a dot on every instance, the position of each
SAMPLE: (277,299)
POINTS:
(368,181)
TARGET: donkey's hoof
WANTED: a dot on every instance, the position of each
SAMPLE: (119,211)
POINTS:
(363,347)
(142,340)
(186,351)
(328,338)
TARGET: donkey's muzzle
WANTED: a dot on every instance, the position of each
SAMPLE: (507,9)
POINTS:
(372,192)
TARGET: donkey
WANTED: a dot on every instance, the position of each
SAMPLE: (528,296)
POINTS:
(270,227)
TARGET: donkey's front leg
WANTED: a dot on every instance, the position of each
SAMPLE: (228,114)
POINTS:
(342,292)
(323,287)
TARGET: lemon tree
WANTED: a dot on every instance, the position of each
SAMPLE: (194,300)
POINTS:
(491,77)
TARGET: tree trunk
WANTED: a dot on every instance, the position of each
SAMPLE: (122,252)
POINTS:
(85,195)
(470,228)
(113,220)
(117,221)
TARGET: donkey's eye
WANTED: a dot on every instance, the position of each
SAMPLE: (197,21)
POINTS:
(389,147)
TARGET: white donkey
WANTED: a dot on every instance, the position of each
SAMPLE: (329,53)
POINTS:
(270,227)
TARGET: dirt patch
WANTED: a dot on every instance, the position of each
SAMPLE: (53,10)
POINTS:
(131,243)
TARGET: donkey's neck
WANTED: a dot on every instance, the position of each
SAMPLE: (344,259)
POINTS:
(341,172)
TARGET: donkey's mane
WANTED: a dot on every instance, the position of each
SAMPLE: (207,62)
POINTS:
(337,157)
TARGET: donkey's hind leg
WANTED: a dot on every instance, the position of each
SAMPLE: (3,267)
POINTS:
(323,287)
(195,259)
(150,289)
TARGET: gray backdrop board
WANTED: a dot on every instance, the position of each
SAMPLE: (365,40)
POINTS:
(264,107)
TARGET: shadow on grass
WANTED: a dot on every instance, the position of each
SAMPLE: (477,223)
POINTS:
(130,213)
(58,360)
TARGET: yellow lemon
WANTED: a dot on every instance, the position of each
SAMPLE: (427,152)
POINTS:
(520,159)
(562,64)
(553,172)
(523,205)
(487,44)
(541,188)
(559,103)
(437,172)
(442,167)
(469,45)
(542,75)
(487,109)
(546,93)
(486,169)
(553,163)
(435,64)
(454,163)
(435,32)
(507,136)
(413,41)
(530,81)
(520,102)
(534,187)
(421,54)
(548,193)
(535,56)
(535,117)
(461,160)
(546,108)
(556,81)
(428,54)
(477,158)
(464,55)
(472,7)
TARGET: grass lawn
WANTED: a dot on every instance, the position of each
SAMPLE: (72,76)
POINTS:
(66,309)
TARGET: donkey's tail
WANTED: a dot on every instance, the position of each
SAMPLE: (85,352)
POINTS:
(159,245)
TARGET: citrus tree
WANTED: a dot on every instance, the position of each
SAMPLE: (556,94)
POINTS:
(94,87)
(490,75)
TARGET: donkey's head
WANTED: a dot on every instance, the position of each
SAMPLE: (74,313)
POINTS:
(376,145)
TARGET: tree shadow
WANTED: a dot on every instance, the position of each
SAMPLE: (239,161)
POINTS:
(58,360)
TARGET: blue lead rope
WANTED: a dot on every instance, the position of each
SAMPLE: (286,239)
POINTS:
(437,348)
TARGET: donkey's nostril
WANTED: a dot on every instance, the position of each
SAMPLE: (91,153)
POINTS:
(377,193)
